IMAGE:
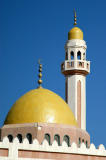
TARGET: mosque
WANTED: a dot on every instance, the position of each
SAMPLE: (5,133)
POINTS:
(42,126)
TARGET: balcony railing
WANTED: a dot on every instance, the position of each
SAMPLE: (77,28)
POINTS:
(74,65)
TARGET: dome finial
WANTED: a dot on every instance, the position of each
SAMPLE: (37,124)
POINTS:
(40,74)
(75,18)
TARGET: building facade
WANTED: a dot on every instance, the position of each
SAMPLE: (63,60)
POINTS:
(41,125)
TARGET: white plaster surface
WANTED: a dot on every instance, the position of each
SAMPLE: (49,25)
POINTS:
(35,146)
(72,96)
(81,65)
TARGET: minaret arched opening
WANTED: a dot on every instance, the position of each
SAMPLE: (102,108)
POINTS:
(72,55)
(79,55)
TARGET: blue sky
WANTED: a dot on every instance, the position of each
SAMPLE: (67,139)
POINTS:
(38,29)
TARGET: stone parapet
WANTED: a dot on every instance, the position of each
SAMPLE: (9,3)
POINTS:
(26,151)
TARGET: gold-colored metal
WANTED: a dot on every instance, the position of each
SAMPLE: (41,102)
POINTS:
(40,105)
(75,33)
(40,74)
(75,18)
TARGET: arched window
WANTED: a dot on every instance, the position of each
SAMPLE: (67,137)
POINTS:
(57,138)
(66,56)
(29,137)
(86,144)
(19,136)
(47,137)
(67,140)
(72,55)
(10,137)
(83,141)
(79,55)
(79,141)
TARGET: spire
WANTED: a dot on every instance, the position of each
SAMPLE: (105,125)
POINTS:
(75,18)
(40,74)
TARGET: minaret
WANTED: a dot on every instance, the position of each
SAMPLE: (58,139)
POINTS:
(75,68)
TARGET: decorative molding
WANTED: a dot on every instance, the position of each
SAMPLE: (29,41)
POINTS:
(35,146)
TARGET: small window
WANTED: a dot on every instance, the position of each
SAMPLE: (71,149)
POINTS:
(29,137)
(57,138)
(47,137)
(66,56)
(67,140)
(86,144)
(19,136)
(79,141)
(72,55)
(10,137)
(79,55)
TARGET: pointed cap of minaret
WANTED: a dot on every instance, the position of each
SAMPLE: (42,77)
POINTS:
(75,32)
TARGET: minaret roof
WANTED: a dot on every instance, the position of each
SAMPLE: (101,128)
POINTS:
(75,32)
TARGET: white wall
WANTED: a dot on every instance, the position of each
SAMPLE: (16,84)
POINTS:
(13,148)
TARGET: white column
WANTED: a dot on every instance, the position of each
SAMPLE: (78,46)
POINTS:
(72,97)
(76,92)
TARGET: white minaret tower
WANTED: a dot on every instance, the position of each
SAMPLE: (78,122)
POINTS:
(75,68)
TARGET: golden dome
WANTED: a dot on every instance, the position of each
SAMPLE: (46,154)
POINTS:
(75,33)
(40,105)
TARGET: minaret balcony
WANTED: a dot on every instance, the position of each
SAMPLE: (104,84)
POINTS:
(75,66)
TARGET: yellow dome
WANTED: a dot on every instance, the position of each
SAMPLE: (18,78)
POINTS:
(75,33)
(40,105)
